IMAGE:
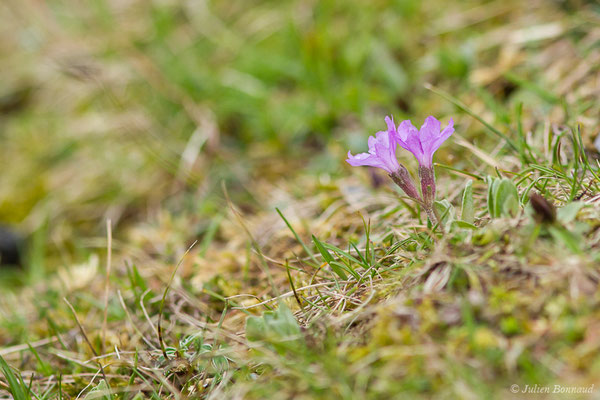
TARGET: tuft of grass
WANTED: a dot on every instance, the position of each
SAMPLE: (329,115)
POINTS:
(16,386)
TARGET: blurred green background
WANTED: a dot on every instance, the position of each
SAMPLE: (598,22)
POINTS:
(118,109)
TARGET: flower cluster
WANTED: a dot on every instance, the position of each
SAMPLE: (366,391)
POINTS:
(423,143)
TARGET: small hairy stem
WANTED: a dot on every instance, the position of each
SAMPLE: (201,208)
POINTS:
(431,215)
(427,177)
(403,179)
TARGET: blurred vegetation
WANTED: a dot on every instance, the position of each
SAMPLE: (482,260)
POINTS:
(226,124)
(110,108)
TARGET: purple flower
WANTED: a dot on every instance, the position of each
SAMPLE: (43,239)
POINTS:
(425,142)
(382,154)
(382,151)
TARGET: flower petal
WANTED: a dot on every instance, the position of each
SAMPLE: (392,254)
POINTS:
(408,138)
(443,135)
(382,151)
(430,129)
(413,144)
(385,148)
(369,159)
(371,142)
(364,159)
(390,125)
(406,129)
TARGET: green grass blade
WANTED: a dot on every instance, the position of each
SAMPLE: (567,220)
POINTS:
(16,386)
(304,246)
(335,267)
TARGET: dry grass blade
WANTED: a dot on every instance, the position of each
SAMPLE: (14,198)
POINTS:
(85,336)
(107,283)
(164,297)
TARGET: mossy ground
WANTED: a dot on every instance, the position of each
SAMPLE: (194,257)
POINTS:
(212,136)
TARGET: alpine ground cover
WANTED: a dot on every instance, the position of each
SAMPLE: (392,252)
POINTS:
(193,230)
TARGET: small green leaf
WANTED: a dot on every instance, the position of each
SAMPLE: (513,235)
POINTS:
(463,224)
(468,209)
(569,212)
(510,206)
(445,211)
(493,183)
(100,391)
(255,328)
(506,198)
(273,326)
(503,197)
